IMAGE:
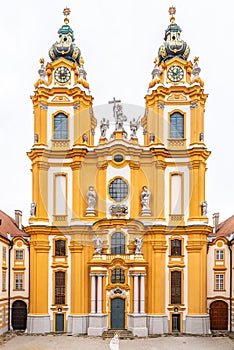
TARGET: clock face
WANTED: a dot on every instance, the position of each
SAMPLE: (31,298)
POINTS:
(62,74)
(175,73)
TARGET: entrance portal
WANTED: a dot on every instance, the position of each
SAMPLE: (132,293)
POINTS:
(219,315)
(175,323)
(118,313)
(19,315)
(59,323)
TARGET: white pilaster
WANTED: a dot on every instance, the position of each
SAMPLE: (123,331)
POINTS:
(142,296)
(99,295)
(93,294)
(136,300)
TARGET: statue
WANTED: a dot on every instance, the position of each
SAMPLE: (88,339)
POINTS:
(33,209)
(138,243)
(98,241)
(91,195)
(104,125)
(145,197)
(114,343)
(119,118)
(204,208)
(134,125)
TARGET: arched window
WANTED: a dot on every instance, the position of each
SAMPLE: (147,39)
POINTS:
(118,276)
(60,247)
(176,126)
(60,127)
(176,247)
(117,243)
(175,287)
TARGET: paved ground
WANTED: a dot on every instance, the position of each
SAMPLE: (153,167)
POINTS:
(64,342)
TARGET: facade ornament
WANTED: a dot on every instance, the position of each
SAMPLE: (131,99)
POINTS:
(138,243)
(104,125)
(118,209)
(160,105)
(82,72)
(156,72)
(152,137)
(119,118)
(42,70)
(35,138)
(98,241)
(33,209)
(85,138)
(204,206)
(196,69)
(76,106)
(194,105)
(43,106)
(117,290)
(134,126)
(145,197)
(91,196)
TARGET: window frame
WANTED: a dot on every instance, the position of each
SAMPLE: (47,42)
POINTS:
(218,284)
(4,276)
(175,247)
(61,249)
(19,282)
(118,198)
(175,288)
(218,254)
(19,252)
(115,273)
(60,289)
(60,131)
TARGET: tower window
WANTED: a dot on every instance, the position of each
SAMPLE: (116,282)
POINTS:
(117,276)
(176,247)
(60,127)
(176,126)
(175,287)
(118,190)
(117,243)
(60,247)
(59,288)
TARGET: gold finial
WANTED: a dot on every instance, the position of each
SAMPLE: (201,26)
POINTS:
(66,13)
(196,59)
(42,61)
(172,11)
(81,61)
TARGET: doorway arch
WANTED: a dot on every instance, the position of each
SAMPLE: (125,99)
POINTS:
(19,315)
(218,315)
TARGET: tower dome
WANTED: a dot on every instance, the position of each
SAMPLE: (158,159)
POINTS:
(173,45)
(65,47)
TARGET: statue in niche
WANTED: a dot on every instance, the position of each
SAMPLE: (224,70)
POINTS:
(33,209)
(145,197)
(134,126)
(114,343)
(138,243)
(204,208)
(119,118)
(91,196)
(104,125)
(98,241)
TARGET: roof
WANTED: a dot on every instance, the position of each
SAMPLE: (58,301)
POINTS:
(8,225)
(225,228)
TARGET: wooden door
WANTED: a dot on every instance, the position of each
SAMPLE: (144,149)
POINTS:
(19,315)
(219,315)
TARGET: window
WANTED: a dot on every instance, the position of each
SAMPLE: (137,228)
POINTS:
(4,252)
(60,198)
(59,288)
(4,315)
(19,254)
(175,287)
(60,127)
(219,254)
(176,126)
(219,281)
(176,192)
(176,247)
(60,247)
(18,281)
(117,243)
(4,281)
(118,190)
(117,276)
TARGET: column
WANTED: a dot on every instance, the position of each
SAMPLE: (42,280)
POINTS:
(135,309)
(93,294)
(99,295)
(142,295)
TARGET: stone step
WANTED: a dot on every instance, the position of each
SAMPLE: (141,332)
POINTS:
(122,333)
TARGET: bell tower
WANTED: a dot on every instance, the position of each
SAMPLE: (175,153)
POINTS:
(174,131)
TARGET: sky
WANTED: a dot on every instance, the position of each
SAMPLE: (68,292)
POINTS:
(119,41)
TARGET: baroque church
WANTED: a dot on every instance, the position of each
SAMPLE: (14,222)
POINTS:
(118,227)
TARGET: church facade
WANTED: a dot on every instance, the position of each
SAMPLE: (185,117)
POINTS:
(118,227)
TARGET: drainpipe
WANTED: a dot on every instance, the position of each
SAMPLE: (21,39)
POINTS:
(9,283)
(230,299)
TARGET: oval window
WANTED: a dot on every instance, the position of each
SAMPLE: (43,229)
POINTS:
(118,158)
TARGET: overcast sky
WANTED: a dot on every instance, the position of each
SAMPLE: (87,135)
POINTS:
(119,41)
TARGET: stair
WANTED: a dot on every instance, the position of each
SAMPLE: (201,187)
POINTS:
(123,334)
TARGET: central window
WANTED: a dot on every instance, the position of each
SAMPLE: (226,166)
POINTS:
(117,276)
(118,243)
(118,190)
(176,126)
(60,127)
